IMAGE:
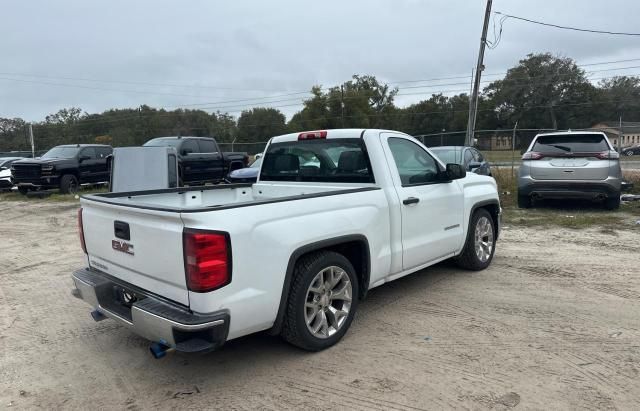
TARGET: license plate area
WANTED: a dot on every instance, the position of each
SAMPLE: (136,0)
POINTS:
(118,299)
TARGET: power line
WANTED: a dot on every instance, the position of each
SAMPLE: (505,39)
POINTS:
(616,33)
(125,117)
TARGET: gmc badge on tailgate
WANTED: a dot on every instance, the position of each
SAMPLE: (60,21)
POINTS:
(122,246)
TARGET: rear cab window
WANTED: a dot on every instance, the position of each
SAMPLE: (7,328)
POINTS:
(321,160)
(570,143)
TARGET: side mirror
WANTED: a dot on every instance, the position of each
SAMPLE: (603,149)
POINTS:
(473,165)
(455,172)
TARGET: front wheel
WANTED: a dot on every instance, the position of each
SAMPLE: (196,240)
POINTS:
(480,245)
(613,202)
(322,302)
(68,184)
(524,201)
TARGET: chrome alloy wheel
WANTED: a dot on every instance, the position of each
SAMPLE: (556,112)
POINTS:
(328,302)
(483,239)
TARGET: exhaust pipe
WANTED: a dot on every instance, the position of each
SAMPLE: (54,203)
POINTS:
(97,316)
(160,349)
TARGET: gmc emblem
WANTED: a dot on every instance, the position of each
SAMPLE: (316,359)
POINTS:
(122,247)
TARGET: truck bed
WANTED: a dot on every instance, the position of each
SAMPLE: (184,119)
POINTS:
(209,198)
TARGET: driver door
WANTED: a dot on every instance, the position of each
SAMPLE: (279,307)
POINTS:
(431,209)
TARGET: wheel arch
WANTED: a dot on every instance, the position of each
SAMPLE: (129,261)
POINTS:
(354,248)
(493,207)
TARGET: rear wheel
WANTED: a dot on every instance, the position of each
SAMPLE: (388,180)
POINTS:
(322,302)
(68,184)
(612,203)
(629,153)
(524,201)
(23,190)
(480,245)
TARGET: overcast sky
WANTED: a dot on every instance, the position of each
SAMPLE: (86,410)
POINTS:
(214,53)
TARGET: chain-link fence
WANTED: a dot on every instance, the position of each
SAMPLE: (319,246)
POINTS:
(249,148)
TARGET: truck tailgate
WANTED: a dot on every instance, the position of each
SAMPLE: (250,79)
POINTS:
(139,246)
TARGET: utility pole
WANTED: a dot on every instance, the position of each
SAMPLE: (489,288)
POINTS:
(473,101)
(342,103)
(33,146)
(513,147)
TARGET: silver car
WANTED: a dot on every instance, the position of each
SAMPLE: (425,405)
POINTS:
(563,165)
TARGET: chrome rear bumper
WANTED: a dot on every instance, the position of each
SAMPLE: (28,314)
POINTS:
(150,316)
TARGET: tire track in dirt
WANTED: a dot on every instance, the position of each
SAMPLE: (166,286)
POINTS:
(353,397)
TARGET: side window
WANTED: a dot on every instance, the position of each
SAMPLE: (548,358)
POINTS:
(189,146)
(468,157)
(89,152)
(414,164)
(103,152)
(207,146)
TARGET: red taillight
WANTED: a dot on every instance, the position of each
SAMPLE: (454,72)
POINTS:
(608,155)
(310,135)
(532,155)
(81,231)
(207,259)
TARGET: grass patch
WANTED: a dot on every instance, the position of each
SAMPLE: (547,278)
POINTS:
(50,196)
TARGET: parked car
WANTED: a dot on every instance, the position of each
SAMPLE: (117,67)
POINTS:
(6,178)
(631,151)
(469,157)
(200,160)
(64,167)
(567,164)
(293,253)
(246,175)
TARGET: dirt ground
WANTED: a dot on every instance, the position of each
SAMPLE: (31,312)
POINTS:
(554,323)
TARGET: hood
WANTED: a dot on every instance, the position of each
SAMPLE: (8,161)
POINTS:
(41,161)
(245,172)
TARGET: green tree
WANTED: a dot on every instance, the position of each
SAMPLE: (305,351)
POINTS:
(260,124)
(619,96)
(543,91)
(367,103)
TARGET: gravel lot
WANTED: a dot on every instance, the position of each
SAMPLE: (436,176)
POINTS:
(553,323)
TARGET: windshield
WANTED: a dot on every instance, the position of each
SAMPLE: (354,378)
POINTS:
(448,155)
(162,142)
(571,143)
(61,152)
(335,160)
(256,163)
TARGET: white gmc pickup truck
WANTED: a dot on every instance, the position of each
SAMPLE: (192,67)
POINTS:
(333,214)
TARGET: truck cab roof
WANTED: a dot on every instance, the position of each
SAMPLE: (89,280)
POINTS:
(329,134)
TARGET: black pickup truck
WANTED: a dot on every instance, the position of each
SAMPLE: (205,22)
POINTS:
(64,167)
(200,159)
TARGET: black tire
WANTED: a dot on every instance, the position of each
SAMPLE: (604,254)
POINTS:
(23,190)
(294,328)
(469,259)
(613,202)
(68,184)
(524,201)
